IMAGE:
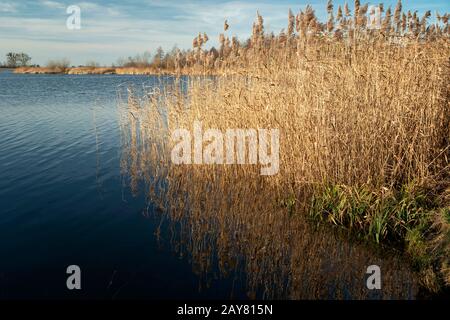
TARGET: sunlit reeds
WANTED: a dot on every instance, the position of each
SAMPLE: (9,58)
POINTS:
(364,119)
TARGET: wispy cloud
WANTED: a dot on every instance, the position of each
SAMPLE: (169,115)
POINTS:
(8,7)
(53,4)
(89,6)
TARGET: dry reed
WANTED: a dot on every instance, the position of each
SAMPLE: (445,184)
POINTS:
(364,120)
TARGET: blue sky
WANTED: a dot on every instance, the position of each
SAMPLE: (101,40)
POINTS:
(113,29)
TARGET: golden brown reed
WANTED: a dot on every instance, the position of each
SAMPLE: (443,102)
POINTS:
(234,219)
(355,108)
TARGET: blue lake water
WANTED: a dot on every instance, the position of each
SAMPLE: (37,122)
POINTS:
(62,201)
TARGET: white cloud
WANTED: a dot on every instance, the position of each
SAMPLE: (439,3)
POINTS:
(89,6)
(94,8)
(240,14)
(113,12)
(53,4)
(7,7)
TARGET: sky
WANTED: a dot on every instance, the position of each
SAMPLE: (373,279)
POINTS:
(113,29)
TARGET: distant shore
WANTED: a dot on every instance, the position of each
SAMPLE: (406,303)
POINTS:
(101,71)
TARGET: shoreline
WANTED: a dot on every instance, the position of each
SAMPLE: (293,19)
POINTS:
(106,71)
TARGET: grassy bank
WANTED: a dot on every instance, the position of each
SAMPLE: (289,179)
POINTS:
(364,118)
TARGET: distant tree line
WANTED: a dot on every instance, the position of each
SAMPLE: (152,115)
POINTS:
(160,60)
(14,60)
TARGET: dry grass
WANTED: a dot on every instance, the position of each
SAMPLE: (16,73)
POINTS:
(91,70)
(364,118)
(59,64)
(39,70)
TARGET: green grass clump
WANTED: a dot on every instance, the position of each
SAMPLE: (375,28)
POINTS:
(379,216)
(408,219)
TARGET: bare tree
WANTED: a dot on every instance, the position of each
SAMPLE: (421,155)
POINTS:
(23,59)
(17,59)
(11,59)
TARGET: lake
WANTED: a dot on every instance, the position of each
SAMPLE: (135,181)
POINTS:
(63,202)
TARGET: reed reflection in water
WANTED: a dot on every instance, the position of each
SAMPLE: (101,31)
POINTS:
(231,221)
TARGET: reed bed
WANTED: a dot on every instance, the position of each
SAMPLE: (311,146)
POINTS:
(364,120)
